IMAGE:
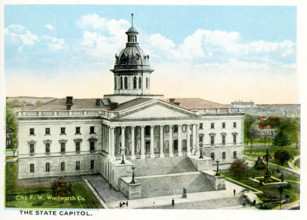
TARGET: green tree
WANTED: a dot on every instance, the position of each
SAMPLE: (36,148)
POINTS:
(11,126)
(282,156)
(60,188)
(238,168)
(282,139)
(249,122)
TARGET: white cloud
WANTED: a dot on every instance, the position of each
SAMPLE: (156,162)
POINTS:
(18,33)
(93,21)
(102,38)
(53,43)
(208,46)
(49,27)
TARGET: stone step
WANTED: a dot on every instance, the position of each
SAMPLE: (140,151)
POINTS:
(173,184)
(167,165)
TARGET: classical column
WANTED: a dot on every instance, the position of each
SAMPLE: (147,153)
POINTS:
(197,140)
(112,143)
(188,140)
(171,154)
(179,141)
(193,139)
(142,142)
(161,142)
(152,143)
(123,143)
(132,143)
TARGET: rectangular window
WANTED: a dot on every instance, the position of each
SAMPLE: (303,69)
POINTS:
(201,126)
(47,131)
(166,128)
(92,130)
(175,128)
(212,156)
(32,131)
(78,165)
(78,147)
(201,138)
(224,155)
(32,149)
(47,167)
(223,125)
(31,168)
(62,147)
(212,140)
(47,147)
(235,124)
(212,126)
(78,130)
(223,139)
(63,130)
(92,164)
(184,128)
(235,154)
(92,146)
(234,139)
(62,166)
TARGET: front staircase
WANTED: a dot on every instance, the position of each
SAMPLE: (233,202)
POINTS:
(160,166)
(168,176)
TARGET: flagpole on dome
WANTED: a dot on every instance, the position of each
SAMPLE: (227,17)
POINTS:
(132,19)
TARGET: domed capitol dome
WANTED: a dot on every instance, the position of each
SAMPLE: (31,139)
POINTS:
(131,69)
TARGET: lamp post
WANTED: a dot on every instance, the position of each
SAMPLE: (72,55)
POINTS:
(217,167)
(133,181)
(201,150)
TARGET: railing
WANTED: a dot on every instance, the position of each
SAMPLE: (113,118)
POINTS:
(67,113)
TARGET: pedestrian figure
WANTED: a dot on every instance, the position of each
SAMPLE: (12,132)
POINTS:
(234,192)
(120,204)
(173,202)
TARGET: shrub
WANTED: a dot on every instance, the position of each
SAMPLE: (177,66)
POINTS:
(282,156)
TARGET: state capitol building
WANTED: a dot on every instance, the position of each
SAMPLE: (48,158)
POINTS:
(163,137)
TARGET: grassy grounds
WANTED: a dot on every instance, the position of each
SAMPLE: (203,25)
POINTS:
(270,195)
(41,197)
(293,151)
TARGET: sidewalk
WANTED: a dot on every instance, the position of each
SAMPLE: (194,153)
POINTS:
(200,200)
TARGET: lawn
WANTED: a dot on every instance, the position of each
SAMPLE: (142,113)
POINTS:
(293,151)
(41,197)
(269,195)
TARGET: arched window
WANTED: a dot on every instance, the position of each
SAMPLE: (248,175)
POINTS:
(212,156)
(134,82)
(126,82)
(121,82)
(140,82)
(224,155)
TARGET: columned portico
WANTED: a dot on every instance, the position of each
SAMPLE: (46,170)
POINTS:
(134,137)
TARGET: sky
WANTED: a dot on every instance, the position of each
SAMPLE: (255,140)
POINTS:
(218,53)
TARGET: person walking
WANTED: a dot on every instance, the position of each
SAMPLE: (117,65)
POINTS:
(234,192)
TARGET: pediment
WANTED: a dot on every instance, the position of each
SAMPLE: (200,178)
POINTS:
(157,110)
